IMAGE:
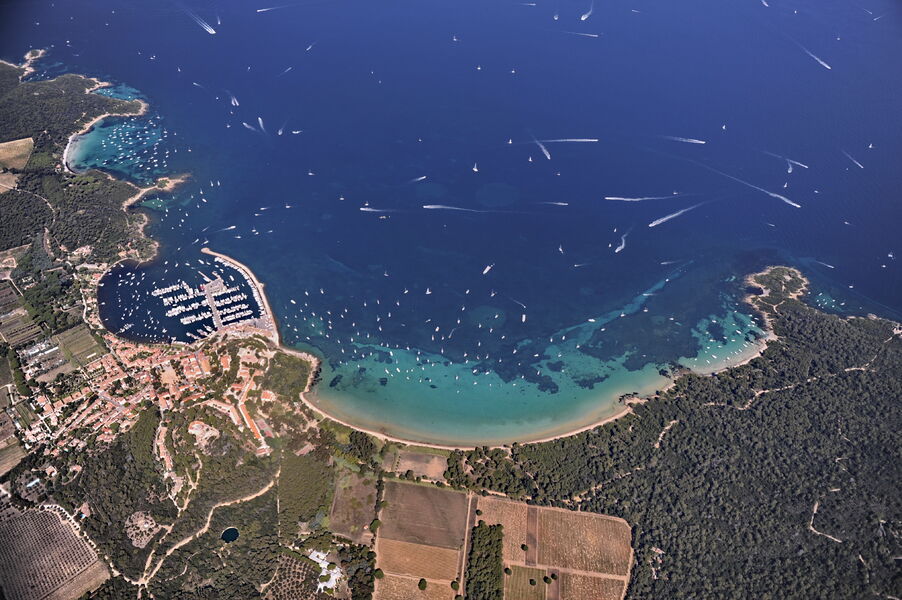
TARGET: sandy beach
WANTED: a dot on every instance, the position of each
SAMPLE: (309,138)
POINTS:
(144,107)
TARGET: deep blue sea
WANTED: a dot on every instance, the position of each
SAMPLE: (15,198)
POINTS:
(492,219)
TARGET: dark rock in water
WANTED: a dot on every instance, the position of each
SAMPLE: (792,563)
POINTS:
(335,381)
(589,382)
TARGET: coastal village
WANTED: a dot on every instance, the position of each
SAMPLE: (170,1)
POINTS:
(114,378)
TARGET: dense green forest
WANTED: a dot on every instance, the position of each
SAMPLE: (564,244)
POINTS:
(78,210)
(49,298)
(211,569)
(287,375)
(485,569)
(24,215)
(114,588)
(116,482)
(720,475)
(55,108)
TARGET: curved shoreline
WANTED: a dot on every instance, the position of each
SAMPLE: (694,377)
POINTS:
(627,407)
(86,128)
(267,323)
(537,437)
(268,316)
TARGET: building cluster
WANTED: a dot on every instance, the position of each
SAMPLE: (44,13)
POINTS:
(116,386)
(85,386)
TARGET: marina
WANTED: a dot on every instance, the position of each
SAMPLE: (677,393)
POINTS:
(188,304)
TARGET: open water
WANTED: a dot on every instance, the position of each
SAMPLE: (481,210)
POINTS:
(389,170)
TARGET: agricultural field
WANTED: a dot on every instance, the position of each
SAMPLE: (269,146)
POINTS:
(417,560)
(512,516)
(353,507)
(42,557)
(18,329)
(574,586)
(592,550)
(525,583)
(26,414)
(422,532)
(6,377)
(424,515)
(10,454)
(394,587)
(603,542)
(14,155)
(421,464)
(421,535)
(79,346)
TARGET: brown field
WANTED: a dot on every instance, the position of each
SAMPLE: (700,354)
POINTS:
(422,464)
(512,516)
(517,587)
(14,154)
(8,181)
(423,528)
(393,587)
(417,560)
(584,542)
(353,508)
(582,587)
(424,515)
(10,454)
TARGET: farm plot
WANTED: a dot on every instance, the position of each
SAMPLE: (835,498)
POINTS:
(424,515)
(584,542)
(417,560)
(395,587)
(79,346)
(579,587)
(10,454)
(42,557)
(525,583)
(13,155)
(511,515)
(353,508)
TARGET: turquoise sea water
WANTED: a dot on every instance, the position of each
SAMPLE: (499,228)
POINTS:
(131,145)
(380,166)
